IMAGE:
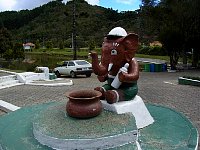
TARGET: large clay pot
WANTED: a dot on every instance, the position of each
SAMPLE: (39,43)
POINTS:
(84,104)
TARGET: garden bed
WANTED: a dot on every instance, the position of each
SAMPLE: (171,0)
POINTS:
(194,81)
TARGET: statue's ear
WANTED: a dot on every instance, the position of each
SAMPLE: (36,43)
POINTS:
(105,39)
(130,43)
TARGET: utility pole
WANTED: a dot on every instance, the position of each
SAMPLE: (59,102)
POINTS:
(74,30)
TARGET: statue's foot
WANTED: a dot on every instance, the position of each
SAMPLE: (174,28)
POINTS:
(111,96)
(100,89)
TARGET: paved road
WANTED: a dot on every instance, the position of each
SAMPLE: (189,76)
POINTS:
(159,88)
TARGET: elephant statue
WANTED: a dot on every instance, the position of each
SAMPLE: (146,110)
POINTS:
(118,50)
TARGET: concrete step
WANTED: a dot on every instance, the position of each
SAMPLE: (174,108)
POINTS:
(8,81)
(5,106)
(10,85)
(7,78)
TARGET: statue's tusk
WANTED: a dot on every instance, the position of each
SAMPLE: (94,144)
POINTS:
(110,66)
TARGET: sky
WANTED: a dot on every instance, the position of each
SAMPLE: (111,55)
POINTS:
(120,5)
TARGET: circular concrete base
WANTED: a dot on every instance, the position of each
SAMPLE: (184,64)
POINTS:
(52,127)
(171,130)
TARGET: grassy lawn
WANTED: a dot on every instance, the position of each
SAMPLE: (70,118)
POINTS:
(17,71)
(65,51)
(84,52)
(166,58)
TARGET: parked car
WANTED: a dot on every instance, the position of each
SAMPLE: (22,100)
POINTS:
(73,68)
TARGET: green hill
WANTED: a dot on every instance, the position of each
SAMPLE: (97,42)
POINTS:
(53,22)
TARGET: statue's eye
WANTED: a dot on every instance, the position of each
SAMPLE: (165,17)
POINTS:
(114,52)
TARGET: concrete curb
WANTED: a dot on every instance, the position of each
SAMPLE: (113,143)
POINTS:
(5,106)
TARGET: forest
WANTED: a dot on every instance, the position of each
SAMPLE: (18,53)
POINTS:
(175,23)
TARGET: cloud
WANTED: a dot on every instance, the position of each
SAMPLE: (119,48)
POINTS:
(20,4)
(93,2)
(24,4)
(128,2)
(7,4)
(30,4)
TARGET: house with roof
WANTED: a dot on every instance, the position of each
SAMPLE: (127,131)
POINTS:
(156,43)
(28,46)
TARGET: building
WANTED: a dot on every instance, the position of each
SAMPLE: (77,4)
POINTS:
(28,46)
(156,43)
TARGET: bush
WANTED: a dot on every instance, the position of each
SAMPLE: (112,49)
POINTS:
(143,50)
(18,51)
(61,45)
(37,44)
(91,45)
(18,65)
(152,50)
(49,44)
(8,55)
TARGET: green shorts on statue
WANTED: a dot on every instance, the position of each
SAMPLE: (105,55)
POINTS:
(128,90)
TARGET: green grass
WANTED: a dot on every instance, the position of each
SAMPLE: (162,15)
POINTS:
(85,51)
(65,51)
(11,70)
(166,58)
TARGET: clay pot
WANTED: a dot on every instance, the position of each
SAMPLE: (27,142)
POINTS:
(84,104)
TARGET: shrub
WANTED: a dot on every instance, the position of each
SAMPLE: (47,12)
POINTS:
(143,50)
(157,50)
(91,45)
(152,50)
(8,55)
(18,51)
(37,44)
(49,44)
(61,45)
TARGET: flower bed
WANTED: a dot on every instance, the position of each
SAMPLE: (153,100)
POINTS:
(185,80)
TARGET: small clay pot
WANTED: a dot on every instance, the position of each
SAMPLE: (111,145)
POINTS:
(84,104)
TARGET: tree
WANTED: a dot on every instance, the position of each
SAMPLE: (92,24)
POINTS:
(18,51)
(91,45)
(1,23)
(176,23)
(172,43)
(61,44)
(185,15)
(148,21)
(49,44)
(37,44)
(5,40)
(194,31)
(8,55)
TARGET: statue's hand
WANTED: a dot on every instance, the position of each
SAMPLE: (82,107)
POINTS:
(121,76)
(102,78)
(93,54)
